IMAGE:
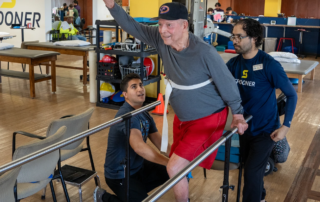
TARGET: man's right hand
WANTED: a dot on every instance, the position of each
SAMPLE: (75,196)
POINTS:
(239,122)
(109,3)
(70,29)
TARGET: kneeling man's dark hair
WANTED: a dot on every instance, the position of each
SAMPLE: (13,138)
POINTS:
(126,80)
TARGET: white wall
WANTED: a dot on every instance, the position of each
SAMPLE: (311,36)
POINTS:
(100,11)
(37,12)
(211,3)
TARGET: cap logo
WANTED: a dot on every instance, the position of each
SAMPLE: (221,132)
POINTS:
(164,9)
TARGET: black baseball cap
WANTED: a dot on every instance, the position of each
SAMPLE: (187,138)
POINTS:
(172,11)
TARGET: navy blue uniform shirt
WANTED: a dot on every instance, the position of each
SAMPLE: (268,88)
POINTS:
(257,79)
(116,151)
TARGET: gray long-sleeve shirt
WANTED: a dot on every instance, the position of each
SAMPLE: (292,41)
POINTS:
(193,65)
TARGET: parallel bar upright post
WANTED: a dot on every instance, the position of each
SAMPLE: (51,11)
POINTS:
(127,168)
(226,187)
(239,179)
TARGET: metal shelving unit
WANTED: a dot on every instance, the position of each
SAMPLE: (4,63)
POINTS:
(115,80)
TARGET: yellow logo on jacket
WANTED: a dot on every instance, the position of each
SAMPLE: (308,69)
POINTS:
(245,74)
(9,4)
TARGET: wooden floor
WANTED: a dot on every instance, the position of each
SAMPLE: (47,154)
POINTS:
(19,112)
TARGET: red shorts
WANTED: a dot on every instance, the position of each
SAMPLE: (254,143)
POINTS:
(191,138)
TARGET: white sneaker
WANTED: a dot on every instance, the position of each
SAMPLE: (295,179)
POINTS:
(97,194)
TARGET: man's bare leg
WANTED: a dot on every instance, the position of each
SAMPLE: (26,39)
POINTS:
(181,189)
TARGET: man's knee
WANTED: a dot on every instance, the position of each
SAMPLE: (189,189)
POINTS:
(176,164)
(171,168)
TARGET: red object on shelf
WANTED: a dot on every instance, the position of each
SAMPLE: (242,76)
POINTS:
(108,59)
(230,51)
(148,62)
(289,39)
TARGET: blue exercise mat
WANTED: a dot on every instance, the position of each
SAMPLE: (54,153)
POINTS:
(295,81)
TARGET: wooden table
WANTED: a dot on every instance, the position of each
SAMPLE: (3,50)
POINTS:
(33,58)
(67,50)
(299,71)
(292,70)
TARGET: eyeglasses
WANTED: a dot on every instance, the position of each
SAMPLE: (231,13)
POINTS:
(237,37)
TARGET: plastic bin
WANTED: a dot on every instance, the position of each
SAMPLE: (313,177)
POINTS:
(289,49)
(270,44)
(108,71)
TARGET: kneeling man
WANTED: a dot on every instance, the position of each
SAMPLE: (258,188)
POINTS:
(147,166)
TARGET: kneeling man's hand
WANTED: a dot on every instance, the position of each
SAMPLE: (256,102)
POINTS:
(239,122)
(280,133)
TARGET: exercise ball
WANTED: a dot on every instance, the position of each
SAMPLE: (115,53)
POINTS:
(108,59)
(118,97)
(106,90)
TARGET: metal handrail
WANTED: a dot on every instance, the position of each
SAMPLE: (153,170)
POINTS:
(63,143)
(175,179)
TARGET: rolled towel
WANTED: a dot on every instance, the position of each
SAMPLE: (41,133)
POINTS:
(4,46)
(72,43)
(287,60)
(283,55)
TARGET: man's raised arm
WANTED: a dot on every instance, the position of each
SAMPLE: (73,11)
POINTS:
(147,34)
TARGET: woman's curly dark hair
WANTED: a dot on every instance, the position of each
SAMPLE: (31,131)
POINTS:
(253,29)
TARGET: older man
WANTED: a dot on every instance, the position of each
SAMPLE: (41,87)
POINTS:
(70,30)
(199,82)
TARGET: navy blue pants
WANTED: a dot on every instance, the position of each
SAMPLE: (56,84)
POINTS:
(255,151)
(150,176)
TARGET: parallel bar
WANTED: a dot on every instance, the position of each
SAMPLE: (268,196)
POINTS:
(63,143)
(171,182)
